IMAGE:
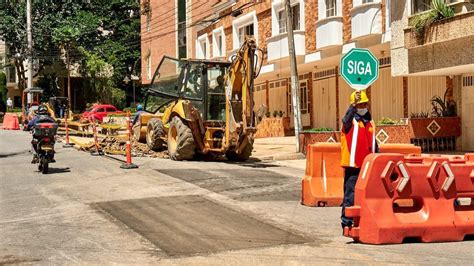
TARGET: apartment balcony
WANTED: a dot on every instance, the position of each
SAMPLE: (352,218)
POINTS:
(329,33)
(277,46)
(445,45)
(366,20)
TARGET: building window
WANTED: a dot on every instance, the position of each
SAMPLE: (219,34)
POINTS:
(182,48)
(218,42)
(244,31)
(303,97)
(420,6)
(11,74)
(219,51)
(148,67)
(203,47)
(331,8)
(296,19)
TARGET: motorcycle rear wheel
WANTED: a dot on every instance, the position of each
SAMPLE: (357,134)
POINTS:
(45,166)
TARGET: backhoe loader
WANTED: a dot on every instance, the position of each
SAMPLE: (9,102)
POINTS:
(202,107)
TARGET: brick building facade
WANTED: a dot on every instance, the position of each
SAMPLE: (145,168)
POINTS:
(324,30)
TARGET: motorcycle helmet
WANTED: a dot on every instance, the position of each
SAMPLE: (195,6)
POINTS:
(42,110)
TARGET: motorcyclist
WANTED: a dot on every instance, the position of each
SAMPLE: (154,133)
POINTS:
(42,116)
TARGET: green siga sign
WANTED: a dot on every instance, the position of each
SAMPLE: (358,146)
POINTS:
(359,68)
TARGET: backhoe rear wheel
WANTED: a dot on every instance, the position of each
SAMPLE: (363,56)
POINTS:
(180,140)
(244,155)
(154,133)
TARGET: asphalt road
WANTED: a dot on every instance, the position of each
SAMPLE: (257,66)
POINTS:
(90,211)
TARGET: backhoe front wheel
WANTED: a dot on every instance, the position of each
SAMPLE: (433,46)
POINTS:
(154,133)
(180,140)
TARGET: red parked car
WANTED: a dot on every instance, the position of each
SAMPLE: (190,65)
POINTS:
(98,112)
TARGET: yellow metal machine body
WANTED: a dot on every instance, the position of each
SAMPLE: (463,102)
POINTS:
(202,106)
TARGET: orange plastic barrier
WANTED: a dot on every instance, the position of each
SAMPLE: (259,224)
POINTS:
(398,198)
(405,149)
(324,178)
(10,122)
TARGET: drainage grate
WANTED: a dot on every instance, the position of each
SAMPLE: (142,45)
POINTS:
(187,225)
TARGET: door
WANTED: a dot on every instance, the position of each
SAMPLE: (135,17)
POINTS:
(467,119)
(100,113)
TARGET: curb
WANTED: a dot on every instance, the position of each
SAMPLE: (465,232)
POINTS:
(282,157)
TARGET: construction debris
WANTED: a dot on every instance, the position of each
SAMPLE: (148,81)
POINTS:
(115,145)
(111,139)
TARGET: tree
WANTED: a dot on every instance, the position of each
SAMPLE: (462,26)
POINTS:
(3,92)
(62,30)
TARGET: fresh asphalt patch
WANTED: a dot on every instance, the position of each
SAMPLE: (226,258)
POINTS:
(242,184)
(188,225)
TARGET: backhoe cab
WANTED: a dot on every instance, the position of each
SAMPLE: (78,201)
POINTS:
(201,107)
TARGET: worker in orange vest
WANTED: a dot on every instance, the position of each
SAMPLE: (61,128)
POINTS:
(357,141)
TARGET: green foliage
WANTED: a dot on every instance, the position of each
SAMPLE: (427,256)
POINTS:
(319,129)
(443,107)
(388,121)
(50,88)
(117,97)
(109,30)
(420,115)
(3,92)
(439,10)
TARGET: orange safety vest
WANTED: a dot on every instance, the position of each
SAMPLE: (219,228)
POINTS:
(354,152)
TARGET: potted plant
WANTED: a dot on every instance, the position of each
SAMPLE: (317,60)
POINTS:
(442,125)
(392,131)
(420,23)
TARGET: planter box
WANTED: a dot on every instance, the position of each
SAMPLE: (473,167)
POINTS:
(273,127)
(393,134)
(435,127)
(307,138)
(443,30)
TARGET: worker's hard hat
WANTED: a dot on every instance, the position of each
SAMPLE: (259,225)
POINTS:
(363,97)
(139,107)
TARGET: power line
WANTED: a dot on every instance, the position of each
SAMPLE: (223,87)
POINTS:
(243,7)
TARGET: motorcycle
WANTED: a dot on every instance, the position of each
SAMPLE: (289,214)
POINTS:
(45,133)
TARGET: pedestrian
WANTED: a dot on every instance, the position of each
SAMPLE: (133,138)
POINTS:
(9,104)
(357,141)
(62,107)
(139,109)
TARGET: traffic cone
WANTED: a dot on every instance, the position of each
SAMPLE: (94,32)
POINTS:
(128,164)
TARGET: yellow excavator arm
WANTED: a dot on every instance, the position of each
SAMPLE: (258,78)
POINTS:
(239,94)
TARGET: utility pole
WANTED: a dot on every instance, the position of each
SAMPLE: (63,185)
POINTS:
(295,85)
(68,78)
(30,49)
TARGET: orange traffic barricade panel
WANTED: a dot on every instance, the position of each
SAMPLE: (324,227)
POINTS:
(323,183)
(10,122)
(429,199)
(324,177)
(406,149)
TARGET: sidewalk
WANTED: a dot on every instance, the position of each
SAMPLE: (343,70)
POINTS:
(276,149)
